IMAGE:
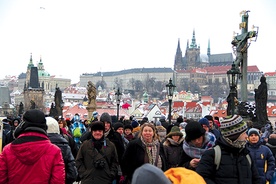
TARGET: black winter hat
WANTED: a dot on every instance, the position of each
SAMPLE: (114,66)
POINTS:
(97,125)
(193,131)
(33,120)
(118,125)
(128,126)
(105,117)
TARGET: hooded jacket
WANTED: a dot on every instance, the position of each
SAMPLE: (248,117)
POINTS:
(31,158)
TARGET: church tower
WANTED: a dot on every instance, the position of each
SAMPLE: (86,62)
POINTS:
(33,93)
(192,55)
(178,62)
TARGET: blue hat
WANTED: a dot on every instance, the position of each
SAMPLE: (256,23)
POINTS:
(134,123)
(204,121)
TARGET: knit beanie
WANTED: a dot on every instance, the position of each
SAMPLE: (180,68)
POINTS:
(33,121)
(158,123)
(128,127)
(118,125)
(95,114)
(134,123)
(193,131)
(204,121)
(175,131)
(253,131)
(105,117)
(53,126)
(232,127)
(97,125)
(180,175)
(149,174)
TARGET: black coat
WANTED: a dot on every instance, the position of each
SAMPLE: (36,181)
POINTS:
(234,166)
(69,160)
(134,157)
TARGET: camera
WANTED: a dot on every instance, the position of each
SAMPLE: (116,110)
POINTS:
(99,164)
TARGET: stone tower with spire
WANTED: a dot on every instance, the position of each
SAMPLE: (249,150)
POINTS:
(192,54)
(191,58)
(33,93)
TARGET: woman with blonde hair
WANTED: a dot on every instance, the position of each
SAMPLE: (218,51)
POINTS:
(145,149)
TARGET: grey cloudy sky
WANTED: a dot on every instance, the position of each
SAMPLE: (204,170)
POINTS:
(75,37)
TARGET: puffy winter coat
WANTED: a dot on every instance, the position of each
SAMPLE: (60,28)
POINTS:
(69,160)
(31,158)
(234,166)
(264,160)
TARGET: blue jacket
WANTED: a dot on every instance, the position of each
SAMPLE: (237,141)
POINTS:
(263,157)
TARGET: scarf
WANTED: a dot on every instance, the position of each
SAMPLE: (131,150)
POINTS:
(236,144)
(152,153)
(194,152)
(174,143)
(106,133)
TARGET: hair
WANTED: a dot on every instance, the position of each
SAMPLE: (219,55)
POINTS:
(64,123)
(155,136)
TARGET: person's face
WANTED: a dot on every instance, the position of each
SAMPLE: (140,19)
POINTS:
(253,138)
(15,123)
(243,137)
(60,123)
(120,130)
(147,134)
(127,131)
(211,123)
(106,126)
(176,138)
(97,134)
(198,142)
(206,128)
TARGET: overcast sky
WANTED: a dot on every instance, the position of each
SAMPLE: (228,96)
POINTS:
(87,36)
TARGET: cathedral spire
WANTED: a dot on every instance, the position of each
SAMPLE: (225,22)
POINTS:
(193,44)
(209,49)
(31,62)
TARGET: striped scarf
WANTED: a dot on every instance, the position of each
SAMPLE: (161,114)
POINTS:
(152,153)
(194,152)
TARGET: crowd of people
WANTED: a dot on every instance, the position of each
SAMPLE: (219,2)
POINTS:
(42,149)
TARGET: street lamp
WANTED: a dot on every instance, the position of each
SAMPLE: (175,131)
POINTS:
(233,75)
(170,89)
(118,95)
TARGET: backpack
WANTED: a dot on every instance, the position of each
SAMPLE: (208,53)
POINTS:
(218,157)
(77,132)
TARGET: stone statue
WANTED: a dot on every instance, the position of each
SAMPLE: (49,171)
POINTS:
(58,101)
(261,101)
(91,93)
(32,104)
(21,109)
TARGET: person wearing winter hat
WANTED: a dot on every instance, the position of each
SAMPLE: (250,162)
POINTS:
(197,141)
(261,154)
(205,124)
(136,127)
(119,127)
(112,135)
(173,147)
(128,132)
(149,174)
(232,145)
(56,138)
(161,131)
(29,152)
(97,159)
(213,128)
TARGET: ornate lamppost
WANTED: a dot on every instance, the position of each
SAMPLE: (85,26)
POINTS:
(170,89)
(118,95)
(233,75)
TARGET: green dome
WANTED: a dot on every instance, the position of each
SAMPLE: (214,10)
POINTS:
(43,73)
